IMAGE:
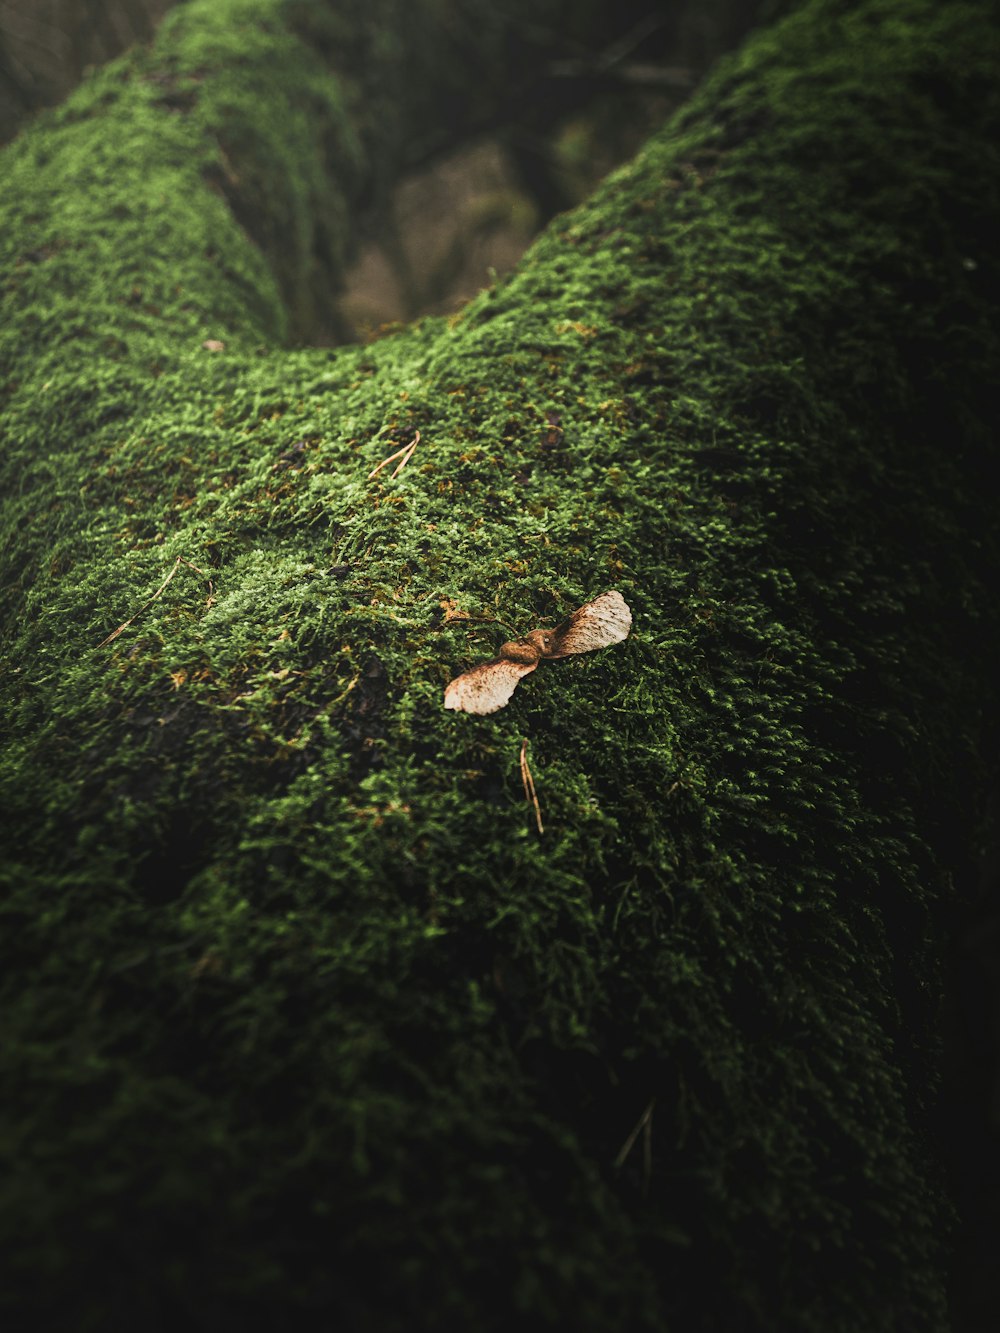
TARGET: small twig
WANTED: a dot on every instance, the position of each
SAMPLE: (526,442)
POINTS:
(645,1122)
(529,785)
(173,570)
(404,455)
(647,1149)
(386,461)
(408,455)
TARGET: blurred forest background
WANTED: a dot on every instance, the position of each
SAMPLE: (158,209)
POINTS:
(453,223)
(457,222)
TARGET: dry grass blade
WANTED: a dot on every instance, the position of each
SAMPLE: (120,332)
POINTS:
(644,1123)
(173,570)
(404,455)
(407,456)
(529,786)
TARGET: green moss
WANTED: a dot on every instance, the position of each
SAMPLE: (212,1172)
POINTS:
(293,982)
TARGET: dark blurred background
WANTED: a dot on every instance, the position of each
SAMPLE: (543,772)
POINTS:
(456,222)
(448,229)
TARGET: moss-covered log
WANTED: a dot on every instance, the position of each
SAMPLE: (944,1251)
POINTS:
(305,1023)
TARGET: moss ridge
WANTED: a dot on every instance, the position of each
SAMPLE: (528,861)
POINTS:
(285,929)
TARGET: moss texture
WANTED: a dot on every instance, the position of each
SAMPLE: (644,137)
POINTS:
(294,992)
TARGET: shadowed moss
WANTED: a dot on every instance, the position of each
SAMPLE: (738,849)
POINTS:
(293,986)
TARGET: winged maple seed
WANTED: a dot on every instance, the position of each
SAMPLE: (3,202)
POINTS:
(488,686)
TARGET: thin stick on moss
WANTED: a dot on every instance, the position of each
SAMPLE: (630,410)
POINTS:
(173,570)
(404,455)
(644,1123)
(529,785)
(408,455)
(647,1148)
(386,461)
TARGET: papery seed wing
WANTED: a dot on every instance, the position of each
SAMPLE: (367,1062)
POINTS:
(605,620)
(486,687)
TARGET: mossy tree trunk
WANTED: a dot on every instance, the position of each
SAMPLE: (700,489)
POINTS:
(305,1021)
